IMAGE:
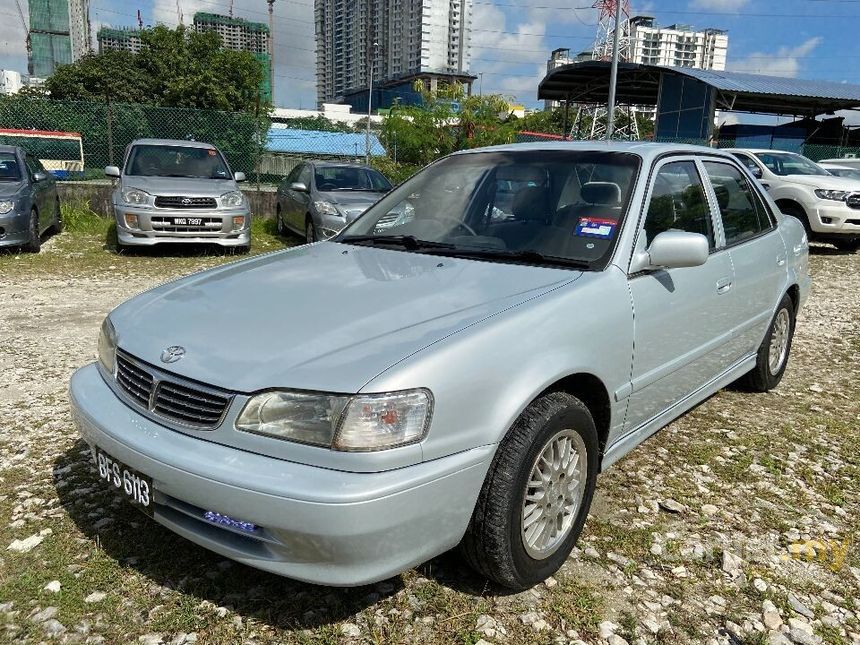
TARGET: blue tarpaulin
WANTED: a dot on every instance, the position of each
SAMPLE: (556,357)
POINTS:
(316,142)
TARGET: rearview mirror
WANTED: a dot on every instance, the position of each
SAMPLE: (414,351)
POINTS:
(239,176)
(40,176)
(678,249)
(756,172)
(299,187)
(112,171)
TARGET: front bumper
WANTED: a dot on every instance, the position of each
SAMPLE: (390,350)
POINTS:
(837,220)
(151,229)
(319,525)
(14,229)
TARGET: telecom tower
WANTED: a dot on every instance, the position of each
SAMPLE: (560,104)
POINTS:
(626,126)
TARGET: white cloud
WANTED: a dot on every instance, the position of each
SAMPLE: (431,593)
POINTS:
(719,5)
(786,61)
(13,37)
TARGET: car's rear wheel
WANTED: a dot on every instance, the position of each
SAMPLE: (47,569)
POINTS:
(848,246)
(773,353)
(34,242)
(537,493)
(310,231)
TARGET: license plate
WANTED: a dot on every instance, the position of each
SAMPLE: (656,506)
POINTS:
(188,221)
(136,487)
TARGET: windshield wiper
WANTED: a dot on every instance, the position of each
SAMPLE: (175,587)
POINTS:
(408,242)
(528,256)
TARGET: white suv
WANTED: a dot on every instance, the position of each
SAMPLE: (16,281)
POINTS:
(828,206)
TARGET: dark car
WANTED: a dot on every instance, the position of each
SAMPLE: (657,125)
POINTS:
(317,199)
(29,205)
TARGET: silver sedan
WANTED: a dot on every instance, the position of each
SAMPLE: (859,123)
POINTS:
(456,367)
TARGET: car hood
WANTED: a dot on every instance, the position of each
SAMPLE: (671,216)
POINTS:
(180,186)
(324,317)
(10,188)
(351,202)
(827,182)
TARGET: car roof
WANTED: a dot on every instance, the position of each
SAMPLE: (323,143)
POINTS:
(834,166)
(338,164)
(762,150)
(172,142)
(646,149)
(11,149)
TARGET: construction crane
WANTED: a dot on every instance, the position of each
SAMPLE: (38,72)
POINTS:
(27,41)
(139,20)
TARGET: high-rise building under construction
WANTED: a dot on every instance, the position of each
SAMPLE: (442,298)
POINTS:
(59,34)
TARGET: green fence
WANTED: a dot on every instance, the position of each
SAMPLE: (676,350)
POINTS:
(107,128)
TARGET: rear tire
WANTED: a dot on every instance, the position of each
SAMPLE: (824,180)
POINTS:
(772,356)
(34,243)
(534,503)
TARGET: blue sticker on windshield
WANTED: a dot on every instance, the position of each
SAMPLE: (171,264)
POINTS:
(596,227)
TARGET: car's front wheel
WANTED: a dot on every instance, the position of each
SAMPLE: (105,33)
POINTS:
(310,231)
(58,218)
(34,242)
(279,220)
(772,356)
(848,246)
(536,496)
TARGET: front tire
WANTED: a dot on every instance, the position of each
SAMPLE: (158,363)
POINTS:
(799,214)
(34,243)
(310,231)
(279,221)
(537,493)
(58,218)
(773,354)
(847,246)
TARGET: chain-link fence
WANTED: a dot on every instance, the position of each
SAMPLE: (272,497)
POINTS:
(106,129)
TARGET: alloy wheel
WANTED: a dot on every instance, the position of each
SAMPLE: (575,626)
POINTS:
(779,341)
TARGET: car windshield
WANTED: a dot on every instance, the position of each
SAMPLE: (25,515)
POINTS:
(9,168)
(158,160)
(851,173)
(788,163)
(346,178)
(552,207)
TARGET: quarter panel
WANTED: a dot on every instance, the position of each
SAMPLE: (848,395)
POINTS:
(483,378)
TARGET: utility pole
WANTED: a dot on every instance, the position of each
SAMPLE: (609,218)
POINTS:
(271,4)
(480,83)
(613,78)
(371,60)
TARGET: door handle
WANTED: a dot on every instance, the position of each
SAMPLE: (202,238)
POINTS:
(724,285)
(780,260)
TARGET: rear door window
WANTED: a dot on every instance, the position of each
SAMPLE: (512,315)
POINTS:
(741,209)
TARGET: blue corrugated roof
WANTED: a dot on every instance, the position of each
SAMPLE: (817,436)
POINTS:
(758,84)
(316,142)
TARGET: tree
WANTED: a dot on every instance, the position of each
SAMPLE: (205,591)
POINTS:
(174,68)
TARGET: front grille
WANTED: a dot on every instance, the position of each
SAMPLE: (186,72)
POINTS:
(168,396)
(853,200)
(171,201)
(207,224)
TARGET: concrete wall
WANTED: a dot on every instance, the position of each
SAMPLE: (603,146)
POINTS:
(98,196)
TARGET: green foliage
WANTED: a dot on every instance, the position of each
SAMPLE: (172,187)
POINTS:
(395,172)
(319,123)
(175,67)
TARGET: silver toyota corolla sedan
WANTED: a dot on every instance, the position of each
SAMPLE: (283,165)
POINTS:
(176,191)
(456,367)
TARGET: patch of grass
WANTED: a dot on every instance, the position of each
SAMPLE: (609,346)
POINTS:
(577,604)
(78,217)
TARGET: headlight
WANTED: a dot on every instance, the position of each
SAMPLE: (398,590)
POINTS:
(233,199)
(834,195)
(327,208)
(6,206)
(362,423)
(107,346)
(135,196)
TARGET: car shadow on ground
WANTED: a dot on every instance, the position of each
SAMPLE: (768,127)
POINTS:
(170,561)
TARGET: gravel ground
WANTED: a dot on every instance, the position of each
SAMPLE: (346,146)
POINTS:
(737,523)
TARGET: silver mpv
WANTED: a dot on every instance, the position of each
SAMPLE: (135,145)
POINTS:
(455,367)
(175,191)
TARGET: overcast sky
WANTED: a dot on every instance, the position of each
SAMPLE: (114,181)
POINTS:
(511,39)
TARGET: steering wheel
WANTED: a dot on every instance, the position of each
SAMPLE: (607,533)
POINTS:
(457,222)
(328,186)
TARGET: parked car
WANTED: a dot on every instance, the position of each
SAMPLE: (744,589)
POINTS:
(827,206)
(848,162)
(317,199)
(29,205)
(175,191)
(453,379)
(838,170)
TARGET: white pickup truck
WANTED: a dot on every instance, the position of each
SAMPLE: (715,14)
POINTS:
(828,206)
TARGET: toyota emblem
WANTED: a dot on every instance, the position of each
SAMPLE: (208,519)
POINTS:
(172,354)
(187,200)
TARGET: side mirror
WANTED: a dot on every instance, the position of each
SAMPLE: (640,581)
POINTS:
(40,176)
(112,171)
(678,249)
(239,176)
(299,187)
(756,172)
